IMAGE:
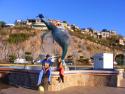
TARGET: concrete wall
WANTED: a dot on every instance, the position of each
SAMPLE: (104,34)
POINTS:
(28,79)
(84,79)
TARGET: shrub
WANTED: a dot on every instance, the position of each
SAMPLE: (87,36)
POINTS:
(22,27)
(12,58)
(28,56)
(83,60)
(18,37)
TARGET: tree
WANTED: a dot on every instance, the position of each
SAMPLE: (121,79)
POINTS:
(73,27)
(2,23)
(120,59)
(40,16)
(64,21)
(104,30)
(90,29)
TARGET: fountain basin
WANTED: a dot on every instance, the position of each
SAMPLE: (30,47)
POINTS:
(96,78)
(27,76)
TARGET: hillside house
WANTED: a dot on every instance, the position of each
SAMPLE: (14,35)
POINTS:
(57,23)
(36,24)
(89,31)
(105,34)
(121,41)
(61,24)
(30,21)
(20,22)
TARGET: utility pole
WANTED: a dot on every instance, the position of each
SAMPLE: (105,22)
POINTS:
(124,57)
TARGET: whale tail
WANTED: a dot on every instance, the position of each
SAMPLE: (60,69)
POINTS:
(64,52)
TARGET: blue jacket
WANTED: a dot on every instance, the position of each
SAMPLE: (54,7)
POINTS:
(46,61)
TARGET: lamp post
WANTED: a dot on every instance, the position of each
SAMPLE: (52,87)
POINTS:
(113,48)
(75,54)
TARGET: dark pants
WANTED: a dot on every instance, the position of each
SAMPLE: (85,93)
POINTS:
(61,78)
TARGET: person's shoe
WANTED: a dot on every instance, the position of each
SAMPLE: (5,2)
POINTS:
(59,79)
(37,87)
(49,82)
(62,81)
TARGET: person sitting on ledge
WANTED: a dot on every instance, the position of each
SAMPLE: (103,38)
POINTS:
(60,68)
(43,62)
(44,73)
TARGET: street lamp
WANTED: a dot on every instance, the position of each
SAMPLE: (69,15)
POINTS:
(75,55)
(113,48)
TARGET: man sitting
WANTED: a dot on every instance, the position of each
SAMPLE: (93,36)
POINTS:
(46,69)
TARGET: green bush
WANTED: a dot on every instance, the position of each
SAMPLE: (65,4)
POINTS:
(22,27)
(120,59)
(28,56)
(18,37)
(12,58)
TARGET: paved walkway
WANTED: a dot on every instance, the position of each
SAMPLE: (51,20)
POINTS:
(72,90)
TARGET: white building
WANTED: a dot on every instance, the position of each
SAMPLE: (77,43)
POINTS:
(10,25)
(103,61)
(36,24)
(106,34)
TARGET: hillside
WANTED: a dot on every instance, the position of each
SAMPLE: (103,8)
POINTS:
(79,48)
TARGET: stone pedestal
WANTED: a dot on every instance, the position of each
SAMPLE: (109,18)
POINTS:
(120,77)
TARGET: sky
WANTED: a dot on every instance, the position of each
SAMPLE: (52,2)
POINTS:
(97,14)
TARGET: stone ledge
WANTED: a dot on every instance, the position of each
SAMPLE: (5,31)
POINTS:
(81,79)
(95,78)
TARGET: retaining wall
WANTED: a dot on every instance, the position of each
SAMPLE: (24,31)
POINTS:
(28,79)
(85,78)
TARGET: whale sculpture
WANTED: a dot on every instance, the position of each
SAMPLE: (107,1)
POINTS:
(60,36)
